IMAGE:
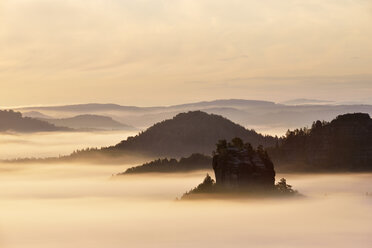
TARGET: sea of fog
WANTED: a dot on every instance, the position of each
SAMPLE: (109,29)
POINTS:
(80,205)
(51,144)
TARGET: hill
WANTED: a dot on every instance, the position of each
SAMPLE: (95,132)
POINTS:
(263,116)
(85,108)
(35,115)
(14,121)
(96,122)
(226,102)
(344,144)
(195,161)
(304,101)
(184,134)
(187,133)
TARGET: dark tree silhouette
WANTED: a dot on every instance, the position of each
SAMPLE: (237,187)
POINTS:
(206,187)
(285,188)
(187,133)
(13,121)
(193,162)
(344,144)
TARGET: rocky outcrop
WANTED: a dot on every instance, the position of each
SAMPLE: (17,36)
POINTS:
(239,166)
(240,171)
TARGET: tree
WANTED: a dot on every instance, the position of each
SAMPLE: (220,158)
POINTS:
(284,188)
(261,151)
(206,187)
(237,142)
(221,146)
(249,149)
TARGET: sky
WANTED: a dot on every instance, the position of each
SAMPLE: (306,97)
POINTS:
(162,52)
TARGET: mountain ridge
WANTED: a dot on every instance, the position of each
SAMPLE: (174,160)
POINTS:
(12,121)
(264,116)
(113,106)
(89,121)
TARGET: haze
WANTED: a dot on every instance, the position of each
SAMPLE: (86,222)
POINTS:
(135,52)
(268,65)
(76,205)
(72,205)
(54,144)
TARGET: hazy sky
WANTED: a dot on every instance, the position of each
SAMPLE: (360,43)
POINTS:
(152,52)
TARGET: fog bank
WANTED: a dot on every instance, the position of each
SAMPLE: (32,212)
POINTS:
(69,205)
(51,144)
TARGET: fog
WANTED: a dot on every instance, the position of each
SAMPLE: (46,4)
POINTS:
(82,205)
(72,205)
(51,144)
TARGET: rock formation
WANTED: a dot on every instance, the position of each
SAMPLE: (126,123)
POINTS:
(239,166)
(240,171)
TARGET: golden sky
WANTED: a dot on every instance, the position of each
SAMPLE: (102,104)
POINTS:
(155,52)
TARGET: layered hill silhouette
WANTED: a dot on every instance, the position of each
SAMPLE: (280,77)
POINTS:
(90,122)
(15,122)
(187,133)
(264,116)
(195,161)
(305,101)
(184,134)
(344,144)
(35,115)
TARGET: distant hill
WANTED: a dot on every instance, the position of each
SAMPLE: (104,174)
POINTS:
(88,107)
(184,134)
(227,103)
(263,116)
(14,121)
(344,144)
(96,122)
(96,107)
(195,161)
(187,133)
(304,101)
(35,114)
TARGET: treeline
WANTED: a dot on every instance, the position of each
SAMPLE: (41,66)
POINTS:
(194,162)
(209,189)
(344,144)
(14,121)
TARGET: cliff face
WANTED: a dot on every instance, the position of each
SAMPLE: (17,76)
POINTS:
(344,144)
(241,167)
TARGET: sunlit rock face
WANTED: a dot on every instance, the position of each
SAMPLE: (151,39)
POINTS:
(239,166)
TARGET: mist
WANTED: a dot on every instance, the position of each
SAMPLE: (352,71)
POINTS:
(73,205)
(190,77)
(53,144)
(45,205)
